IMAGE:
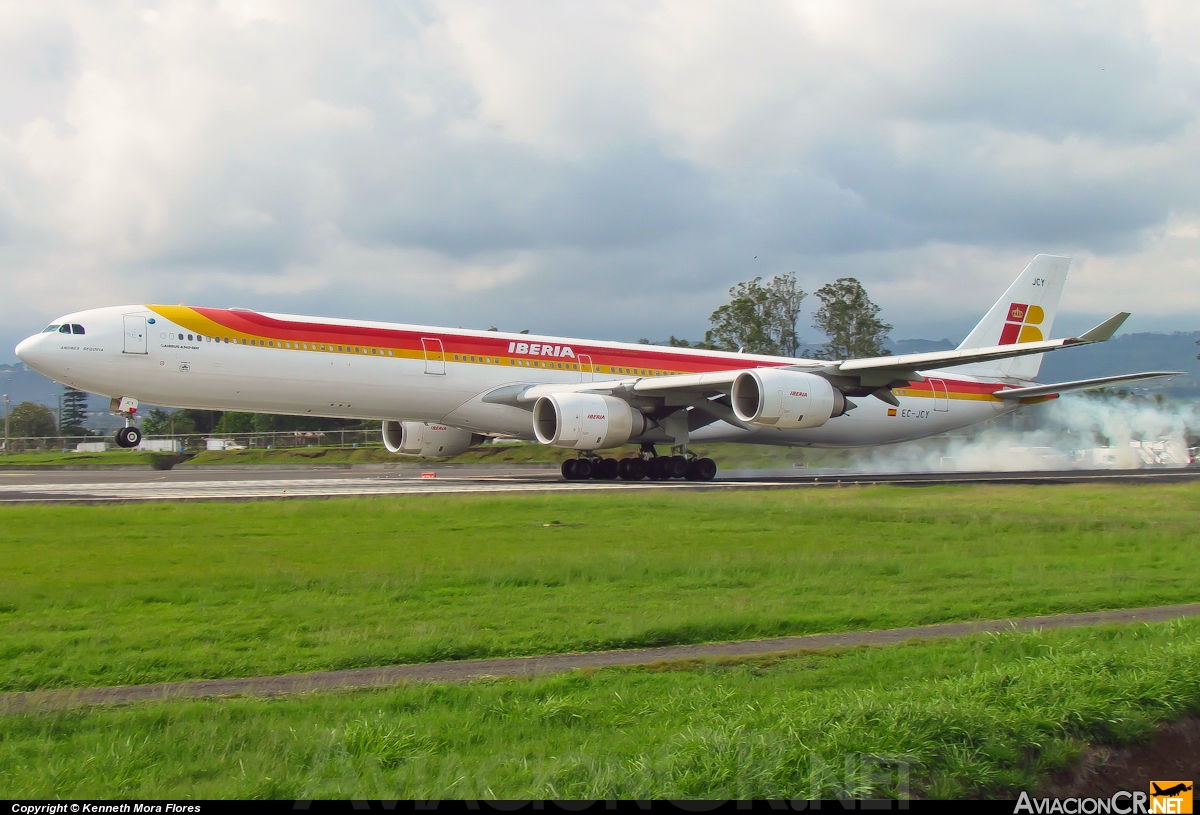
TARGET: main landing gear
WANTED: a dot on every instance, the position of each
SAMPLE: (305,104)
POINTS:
(647,465)
(129,435)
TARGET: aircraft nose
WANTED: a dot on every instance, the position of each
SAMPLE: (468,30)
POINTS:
(27,350)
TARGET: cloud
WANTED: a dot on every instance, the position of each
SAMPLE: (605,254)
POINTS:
(605,170)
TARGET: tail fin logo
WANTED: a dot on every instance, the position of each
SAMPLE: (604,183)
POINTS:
(1021,324)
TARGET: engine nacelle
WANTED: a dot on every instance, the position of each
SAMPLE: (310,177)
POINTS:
(427,440)
(785,399)
(585,421)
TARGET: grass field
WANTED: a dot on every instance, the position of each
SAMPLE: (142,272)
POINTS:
(112,457)
(983,715)
(132,594)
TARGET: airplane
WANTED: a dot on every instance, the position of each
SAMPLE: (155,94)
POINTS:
(439,391)
(1170,792)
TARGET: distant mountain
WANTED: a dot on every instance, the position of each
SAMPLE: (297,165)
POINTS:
(26,385)
(1131,353)
(1126,354)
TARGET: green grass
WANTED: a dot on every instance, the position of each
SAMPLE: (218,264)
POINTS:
(118,457)
(983,715)
(107,595)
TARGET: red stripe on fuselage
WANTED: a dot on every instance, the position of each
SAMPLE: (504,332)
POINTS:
(251,322)
(643,357)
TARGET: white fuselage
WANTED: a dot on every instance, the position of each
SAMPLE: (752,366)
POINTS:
(233,360)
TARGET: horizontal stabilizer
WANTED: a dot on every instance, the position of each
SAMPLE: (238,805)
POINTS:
(1104,332)
(1081,384)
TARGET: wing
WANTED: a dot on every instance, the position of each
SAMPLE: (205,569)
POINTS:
(878,369)
(1081,384)
(709,392)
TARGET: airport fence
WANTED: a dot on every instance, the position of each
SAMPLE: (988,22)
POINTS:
(195,442)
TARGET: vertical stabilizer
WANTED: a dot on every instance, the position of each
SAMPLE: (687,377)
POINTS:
(1025,313)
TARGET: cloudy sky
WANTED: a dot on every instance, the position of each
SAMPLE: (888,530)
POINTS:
(604,169)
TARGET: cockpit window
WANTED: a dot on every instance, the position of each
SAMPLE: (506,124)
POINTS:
(50,329)
(76,328)
(65,329)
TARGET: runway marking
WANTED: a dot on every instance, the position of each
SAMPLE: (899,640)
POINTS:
(470,669)
(160,488)
(308,488)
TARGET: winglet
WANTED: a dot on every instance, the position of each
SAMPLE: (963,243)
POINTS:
(1104,331)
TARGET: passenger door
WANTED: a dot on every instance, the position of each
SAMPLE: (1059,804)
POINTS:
(435,356)
(585,368)
(941,396)
(135,334)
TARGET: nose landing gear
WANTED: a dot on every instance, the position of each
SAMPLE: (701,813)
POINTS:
(128,436)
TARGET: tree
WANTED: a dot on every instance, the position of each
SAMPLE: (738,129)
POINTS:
(235,423)
(850,320)
(159,422)
(74,412)
(759,319)
(31,420)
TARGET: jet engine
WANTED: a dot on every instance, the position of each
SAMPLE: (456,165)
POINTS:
(585,421)
(427,440)
(785,399)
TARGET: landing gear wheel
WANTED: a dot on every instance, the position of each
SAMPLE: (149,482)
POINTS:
(568,469)
(633,469)
(639,468)
(659,468)
(128,437)
(677,467)
(583,469)
(608,469)
(702,469)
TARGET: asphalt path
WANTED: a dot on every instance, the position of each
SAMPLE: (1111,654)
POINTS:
(242,483)
(472,669)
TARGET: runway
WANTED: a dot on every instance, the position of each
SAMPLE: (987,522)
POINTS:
(252,483)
